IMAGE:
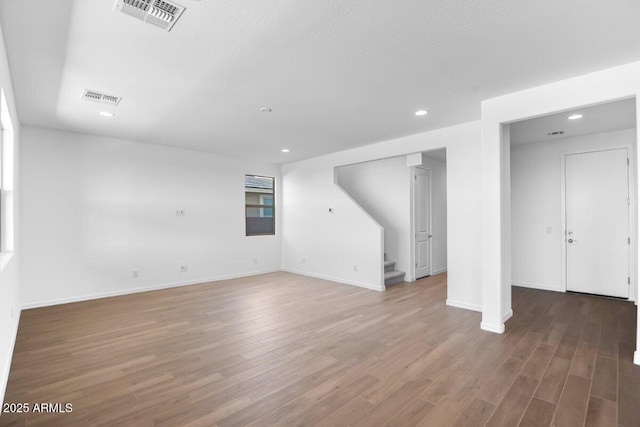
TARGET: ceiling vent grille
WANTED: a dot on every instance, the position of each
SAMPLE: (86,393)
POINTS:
(556,133)
(92,95)
(160,13)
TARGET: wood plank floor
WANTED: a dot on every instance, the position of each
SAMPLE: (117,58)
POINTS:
(282,349)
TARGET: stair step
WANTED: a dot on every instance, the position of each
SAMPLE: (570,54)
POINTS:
(389,266)
(393,277)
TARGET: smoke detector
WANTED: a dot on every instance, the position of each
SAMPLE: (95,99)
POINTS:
(160,13)
(92,95)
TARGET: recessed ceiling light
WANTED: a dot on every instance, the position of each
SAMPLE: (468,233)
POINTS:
(422,113)
(106,114)
(265,110)
(575,116)
(285,150)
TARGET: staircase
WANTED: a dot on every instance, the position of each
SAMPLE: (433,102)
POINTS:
(391,275)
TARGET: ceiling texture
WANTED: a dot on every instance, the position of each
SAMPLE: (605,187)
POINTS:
(337,74)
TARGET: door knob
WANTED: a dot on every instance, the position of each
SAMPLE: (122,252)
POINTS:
(430,236)
(571,240)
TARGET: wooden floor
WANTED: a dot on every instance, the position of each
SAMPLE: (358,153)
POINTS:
(282,349)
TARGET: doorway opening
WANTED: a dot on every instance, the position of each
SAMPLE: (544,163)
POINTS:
(573,200)
(429,214)
(386,190)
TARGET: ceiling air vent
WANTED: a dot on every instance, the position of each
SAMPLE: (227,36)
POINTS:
(160,13)
(556,133)
(92,95)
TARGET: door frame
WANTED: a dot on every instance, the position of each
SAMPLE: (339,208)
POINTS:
(412,239)
(631,173)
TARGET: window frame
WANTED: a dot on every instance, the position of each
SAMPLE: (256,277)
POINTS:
(261,206)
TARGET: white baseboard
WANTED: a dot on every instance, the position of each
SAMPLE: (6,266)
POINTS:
(636,357)
(466,306)
(538,286)
(335,279)
(48,303)
(507,316)
(5,370)
(498,329)
(438,271)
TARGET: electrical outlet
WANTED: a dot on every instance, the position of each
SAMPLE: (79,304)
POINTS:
(255,260)
(183,268)
(180,212)
(135,274)
(13,313)
(355,268)
(304,260)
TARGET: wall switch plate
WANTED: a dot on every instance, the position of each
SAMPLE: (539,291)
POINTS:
(255,260)
(355,268)
(183,268)
(135,274)
(180,212)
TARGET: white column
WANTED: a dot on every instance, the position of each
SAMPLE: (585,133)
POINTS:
(493,230)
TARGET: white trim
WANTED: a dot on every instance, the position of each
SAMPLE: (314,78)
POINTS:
(438,271)
(335,279)
(144,289)
(497,329)
(631,188)
(508,315)
(538,286)
(5,371)
(636,357)
(461,304)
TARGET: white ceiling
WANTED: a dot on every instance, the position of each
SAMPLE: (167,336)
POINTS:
(337,73)
(595,119)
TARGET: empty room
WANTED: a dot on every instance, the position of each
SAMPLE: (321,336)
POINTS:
(336,213)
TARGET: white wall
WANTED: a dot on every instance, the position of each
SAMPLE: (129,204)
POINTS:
(382,188)
(438,212)
(331,243)
(536,205)
(95,209)
(9,262)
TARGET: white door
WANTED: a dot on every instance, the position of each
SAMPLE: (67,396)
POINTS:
(597,222)
(422,222)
